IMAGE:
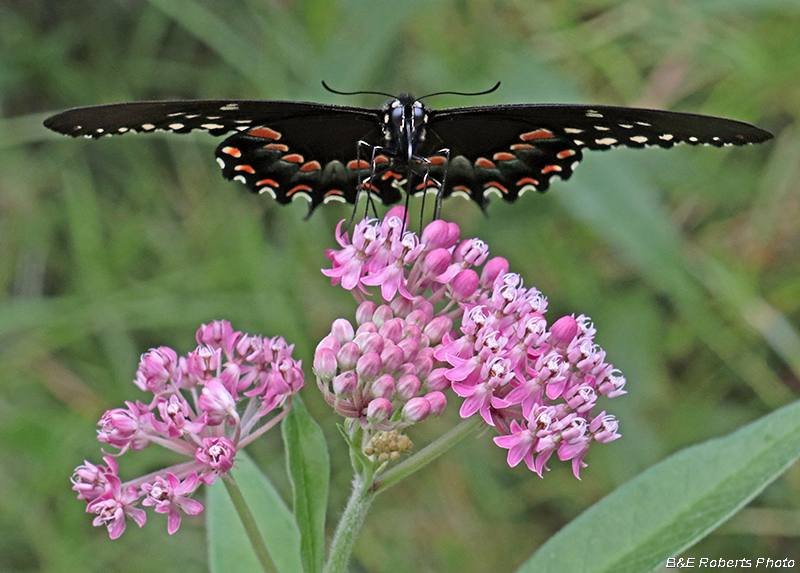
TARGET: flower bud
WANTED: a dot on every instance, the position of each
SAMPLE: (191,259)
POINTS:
(407,387)
(348,355)
(437,381)
(369,366)
(437,235)
(383,387)
(392,329)
(382,314)
(416,410)
(365,311)
(392,357)
(435,263)
(217,402)
(342,330)
(345,384)
(410,347)
(379,409)
(369,342)
(366,328)
(493,268)
(325,364)
(401,306)
(563,331)
(331,342)
(437,328)
(464,285)
(438,402)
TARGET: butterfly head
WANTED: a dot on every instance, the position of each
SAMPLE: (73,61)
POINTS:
(404,121)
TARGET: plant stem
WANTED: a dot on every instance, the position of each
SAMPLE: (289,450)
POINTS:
(250,527)
(349,525)
(426,455)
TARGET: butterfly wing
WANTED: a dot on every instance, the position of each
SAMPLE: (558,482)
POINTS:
(286,149)
(508,149)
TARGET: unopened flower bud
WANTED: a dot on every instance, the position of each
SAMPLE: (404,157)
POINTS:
(325,364)
(383,387)
(401,306)
(437,235)
(435,263)
(382,314)
(331,342)
(410,347)
(437,381)
(464,285)
(345,384)
(392,329)
(369,366)
(342,330)
(379,409)
(392,357)
(369,342)
(365,311)
(217,402)
(494,267)
(348,356)
(563,331)
(407,387)
(438,402)
(437,328)
(416,410)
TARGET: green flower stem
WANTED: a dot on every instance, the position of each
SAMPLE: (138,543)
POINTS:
(349,525)
(426,455)
(250,527)
(361,499)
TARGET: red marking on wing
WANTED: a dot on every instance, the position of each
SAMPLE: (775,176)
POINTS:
(381,159)
(293,158)
(232,151)
(268,182)
(551,168)
(265,132)
(517,146)
(391,175)
(462,188)
(426,185)
(503,156)
(527,181)
(483,162)
(335,192)
(297,188)
(358,164)
(277,146)
(566,153)
(536,134)
(311,166)
(496,185)
(245,167)
(436,160)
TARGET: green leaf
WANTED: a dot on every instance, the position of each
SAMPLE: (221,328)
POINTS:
(227,541)
(309,471)
(675,503)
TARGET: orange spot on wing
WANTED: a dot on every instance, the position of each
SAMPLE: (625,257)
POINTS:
(551,168)
(462,188)
(311,166)
(334,192)
(517,146)
(527,181)
(268,182)
(265,132)
(245,168)
(232,151)
(277,146)
(536,134)
(483,162)
(391,175)
(503,156)
(298,188)
(293,158)
(381,159)
(566,153)
(436,160)
(358,164)
(496,185)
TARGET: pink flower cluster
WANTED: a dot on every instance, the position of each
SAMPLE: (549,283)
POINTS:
(209,426)
(537,385)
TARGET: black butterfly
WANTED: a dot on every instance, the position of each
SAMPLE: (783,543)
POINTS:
(329,152)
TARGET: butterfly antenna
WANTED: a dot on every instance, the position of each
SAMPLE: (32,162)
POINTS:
(484,92)
(337,92)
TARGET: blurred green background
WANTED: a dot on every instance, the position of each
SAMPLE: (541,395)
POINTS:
(687,260)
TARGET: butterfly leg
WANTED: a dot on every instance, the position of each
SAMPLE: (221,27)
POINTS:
(440,194)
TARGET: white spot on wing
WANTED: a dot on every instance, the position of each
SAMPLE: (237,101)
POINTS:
(639,139)
(666,137)
(221,162)
(229,107)
(176,126)
(593,113)
(572,130)
(606,141)
(148,126)
(212,126)
(241,179)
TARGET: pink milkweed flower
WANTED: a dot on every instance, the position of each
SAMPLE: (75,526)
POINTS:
(209,427)
(169,496)
(480,332)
